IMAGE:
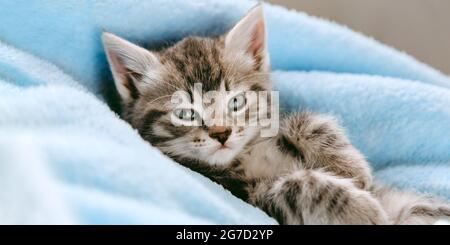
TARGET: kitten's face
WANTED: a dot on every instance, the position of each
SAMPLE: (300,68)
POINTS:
(204,127)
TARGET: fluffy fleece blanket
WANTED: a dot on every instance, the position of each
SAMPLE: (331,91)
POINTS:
(66,157)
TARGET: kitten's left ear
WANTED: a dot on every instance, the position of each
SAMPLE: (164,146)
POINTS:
(249,36)
(129,64)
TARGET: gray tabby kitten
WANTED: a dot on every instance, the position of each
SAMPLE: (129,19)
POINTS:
(307,174)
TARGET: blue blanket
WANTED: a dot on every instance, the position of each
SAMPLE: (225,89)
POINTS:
(66,157)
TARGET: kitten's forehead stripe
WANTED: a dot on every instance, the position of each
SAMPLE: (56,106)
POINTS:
(196,60)
(256,87)
(227,85)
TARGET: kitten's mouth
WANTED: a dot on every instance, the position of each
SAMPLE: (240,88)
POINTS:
(222,148)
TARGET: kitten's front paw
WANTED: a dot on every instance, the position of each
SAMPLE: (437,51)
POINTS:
(315,197)
(324,145)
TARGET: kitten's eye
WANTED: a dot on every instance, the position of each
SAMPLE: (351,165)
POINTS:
(186,114)
(237,102)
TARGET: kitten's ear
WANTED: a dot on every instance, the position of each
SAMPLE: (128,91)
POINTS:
(249,36)
(128,63)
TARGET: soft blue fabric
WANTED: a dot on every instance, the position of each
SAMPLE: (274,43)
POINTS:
(65,157)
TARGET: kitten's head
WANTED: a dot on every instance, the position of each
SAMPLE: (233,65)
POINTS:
(231,65)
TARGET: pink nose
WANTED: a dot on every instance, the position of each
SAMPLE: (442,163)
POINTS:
(220,133)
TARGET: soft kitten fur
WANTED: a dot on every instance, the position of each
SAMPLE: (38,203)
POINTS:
(307,174)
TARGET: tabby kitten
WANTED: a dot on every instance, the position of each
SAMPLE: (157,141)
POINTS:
(308,173)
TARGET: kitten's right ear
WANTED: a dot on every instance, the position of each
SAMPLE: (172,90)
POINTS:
(129,63)
(249,36)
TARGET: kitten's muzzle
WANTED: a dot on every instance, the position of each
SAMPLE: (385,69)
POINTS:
(220,133)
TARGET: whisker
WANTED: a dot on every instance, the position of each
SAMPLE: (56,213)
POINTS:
(161,97)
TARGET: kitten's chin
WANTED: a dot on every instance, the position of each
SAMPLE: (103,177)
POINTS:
(222,157)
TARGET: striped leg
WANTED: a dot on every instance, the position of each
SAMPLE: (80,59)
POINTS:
(315,197)
(319,142)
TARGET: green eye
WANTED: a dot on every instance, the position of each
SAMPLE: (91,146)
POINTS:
(186,114)
(237,102)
